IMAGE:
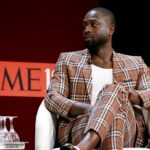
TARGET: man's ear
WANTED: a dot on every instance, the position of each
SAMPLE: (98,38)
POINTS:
(112,29)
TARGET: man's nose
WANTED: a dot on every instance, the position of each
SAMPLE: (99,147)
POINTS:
(88,29)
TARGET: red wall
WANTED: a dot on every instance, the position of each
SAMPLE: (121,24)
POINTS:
(37,31)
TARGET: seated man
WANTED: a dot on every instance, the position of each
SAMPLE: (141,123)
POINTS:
(94,91)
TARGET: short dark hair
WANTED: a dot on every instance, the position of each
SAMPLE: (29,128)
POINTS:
(106,12)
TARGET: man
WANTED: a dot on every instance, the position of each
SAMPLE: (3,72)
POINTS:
(98,93)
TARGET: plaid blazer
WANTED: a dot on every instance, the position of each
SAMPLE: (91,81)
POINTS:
(72,81)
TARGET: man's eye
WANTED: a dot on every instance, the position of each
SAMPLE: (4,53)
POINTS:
(94,24)
(84,25)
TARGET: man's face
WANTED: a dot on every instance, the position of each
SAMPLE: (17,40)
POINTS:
(96,30)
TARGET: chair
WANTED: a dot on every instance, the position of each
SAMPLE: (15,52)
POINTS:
(45,131)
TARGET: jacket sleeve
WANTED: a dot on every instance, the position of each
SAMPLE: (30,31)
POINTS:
(56,99)
(143,84)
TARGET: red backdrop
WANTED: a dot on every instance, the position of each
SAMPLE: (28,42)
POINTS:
(37,31)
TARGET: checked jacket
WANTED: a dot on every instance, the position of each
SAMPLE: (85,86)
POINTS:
(72,81)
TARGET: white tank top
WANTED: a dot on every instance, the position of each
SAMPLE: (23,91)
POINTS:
(100,77)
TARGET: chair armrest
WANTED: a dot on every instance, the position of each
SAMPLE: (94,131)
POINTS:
(45,129)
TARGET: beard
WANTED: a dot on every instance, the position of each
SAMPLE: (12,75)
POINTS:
(93,44)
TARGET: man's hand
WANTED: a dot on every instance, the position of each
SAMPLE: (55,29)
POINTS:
(135,99)
(79,108)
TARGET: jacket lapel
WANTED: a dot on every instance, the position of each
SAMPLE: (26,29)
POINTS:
(87,72)
(120,72)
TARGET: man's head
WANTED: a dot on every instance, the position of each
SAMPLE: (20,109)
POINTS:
(98,28)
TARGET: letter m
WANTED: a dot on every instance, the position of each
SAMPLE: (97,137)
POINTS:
(12,84)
